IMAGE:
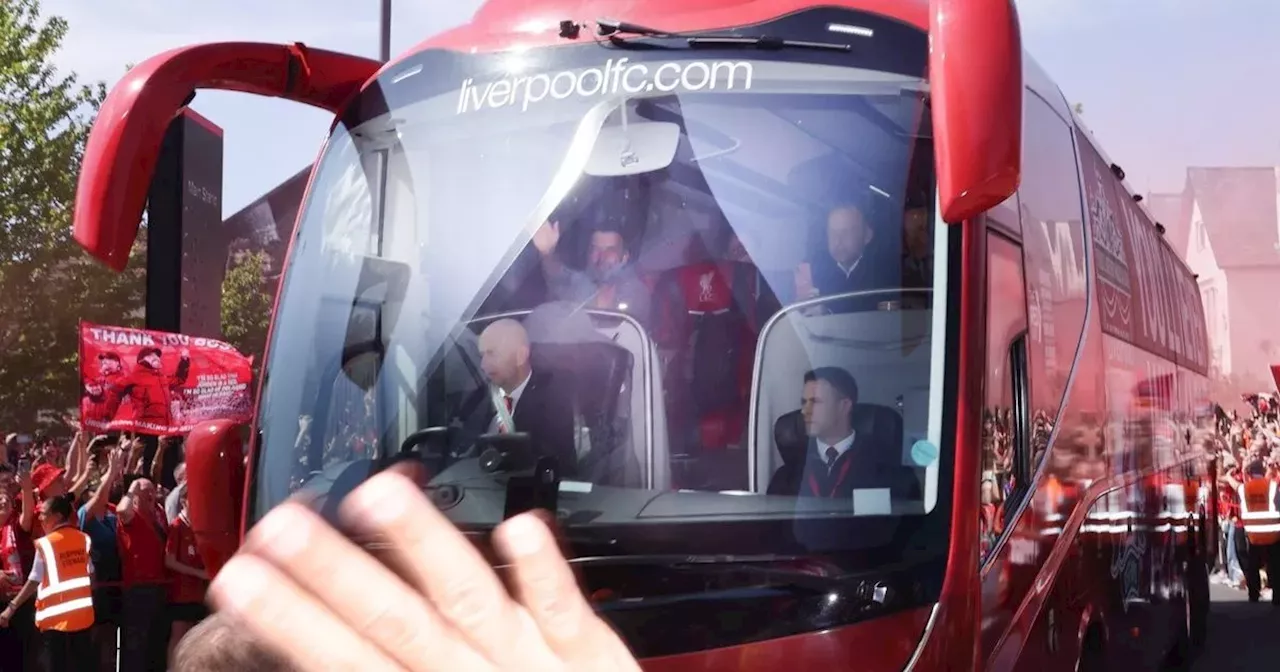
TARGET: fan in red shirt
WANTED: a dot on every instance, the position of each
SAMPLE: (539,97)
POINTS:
(140,537)
(189,580)
(11,578)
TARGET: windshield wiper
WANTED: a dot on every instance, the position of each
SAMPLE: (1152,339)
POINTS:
(764,42)
(613,29)
(754,566)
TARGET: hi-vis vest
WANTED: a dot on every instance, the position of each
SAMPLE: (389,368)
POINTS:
(1258,511)
(64,600)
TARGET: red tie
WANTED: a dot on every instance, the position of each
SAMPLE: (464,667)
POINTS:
(502,427)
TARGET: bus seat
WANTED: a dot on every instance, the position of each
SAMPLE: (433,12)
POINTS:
(884,425)
(599,375)
(706,314)
(791,440)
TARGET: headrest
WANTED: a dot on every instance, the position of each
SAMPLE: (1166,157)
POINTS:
(561,322)
(790,437)
(881,422)
(580,355)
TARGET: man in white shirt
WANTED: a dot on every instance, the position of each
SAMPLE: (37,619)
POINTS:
(840,459)
(827,406)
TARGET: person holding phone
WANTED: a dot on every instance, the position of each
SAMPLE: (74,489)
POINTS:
(843,265)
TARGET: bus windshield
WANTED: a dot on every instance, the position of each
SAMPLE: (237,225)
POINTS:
(702,292)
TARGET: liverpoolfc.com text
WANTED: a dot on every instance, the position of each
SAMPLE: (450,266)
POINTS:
(614,77)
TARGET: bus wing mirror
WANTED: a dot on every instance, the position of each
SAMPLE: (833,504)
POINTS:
(215,489)
(124,144)
(975,73)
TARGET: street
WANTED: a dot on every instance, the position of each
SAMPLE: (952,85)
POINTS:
(1242,636)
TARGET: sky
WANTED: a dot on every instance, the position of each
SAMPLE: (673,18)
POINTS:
(1165,84)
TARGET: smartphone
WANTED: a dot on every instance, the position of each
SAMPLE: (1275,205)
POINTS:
(24,465)
(804,282)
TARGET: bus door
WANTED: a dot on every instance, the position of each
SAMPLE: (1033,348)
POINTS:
(1010,544)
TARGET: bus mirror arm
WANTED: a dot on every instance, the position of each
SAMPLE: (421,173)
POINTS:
(124,145)
(215,489)
(975,73)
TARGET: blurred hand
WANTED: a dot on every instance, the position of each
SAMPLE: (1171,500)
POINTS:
(435,606)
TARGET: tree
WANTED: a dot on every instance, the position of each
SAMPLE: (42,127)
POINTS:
(246,304)
(47,283)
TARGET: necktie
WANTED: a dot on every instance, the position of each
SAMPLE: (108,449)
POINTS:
(831,455)
(507,401)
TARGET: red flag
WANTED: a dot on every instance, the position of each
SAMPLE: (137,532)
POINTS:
(155,382)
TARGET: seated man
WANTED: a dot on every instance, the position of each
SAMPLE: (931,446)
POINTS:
(838,460)
(844,265)
(534,404)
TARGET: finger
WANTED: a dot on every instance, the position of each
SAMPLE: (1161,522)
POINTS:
(289,622)
(376,603)
(414,470)
(545,586)
(425,548)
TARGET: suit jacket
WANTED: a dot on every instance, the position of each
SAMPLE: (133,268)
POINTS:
(863,465)
(545,411)
(870,273)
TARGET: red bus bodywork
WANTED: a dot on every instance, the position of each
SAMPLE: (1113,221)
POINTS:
(1059,584)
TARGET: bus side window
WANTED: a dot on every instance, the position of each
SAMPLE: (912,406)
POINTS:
(1006,463)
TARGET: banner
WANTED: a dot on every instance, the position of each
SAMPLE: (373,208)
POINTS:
(155,382)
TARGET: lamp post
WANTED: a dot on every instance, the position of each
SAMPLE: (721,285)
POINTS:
(384,23)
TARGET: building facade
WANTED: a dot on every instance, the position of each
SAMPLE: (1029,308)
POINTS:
(1225,225)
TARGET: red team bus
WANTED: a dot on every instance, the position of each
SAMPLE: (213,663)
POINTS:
(826,329)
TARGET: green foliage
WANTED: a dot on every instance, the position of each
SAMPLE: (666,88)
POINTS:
(246,304)
(47,283)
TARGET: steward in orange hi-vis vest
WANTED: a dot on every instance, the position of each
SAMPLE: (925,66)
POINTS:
(1262,526)
(64,600)
(1258,511)
(61,581)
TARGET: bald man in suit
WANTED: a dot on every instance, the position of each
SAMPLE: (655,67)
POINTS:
(536,402)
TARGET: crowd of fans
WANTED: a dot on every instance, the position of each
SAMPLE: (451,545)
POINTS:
(149,582)
(1245,447)
(1250,445)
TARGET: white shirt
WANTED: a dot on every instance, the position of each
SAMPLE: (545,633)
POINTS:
(842,446)
(515,401)
(849,271)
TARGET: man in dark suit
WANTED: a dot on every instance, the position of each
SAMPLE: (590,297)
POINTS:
(837,460)
(532,401)
(844,266)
